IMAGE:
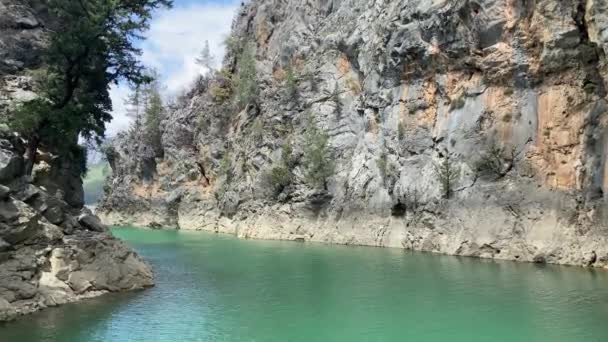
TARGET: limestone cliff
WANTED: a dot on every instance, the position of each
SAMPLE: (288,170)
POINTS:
(52,250)
(513,92)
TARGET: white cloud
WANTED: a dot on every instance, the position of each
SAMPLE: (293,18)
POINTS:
(120,121)
(175,38)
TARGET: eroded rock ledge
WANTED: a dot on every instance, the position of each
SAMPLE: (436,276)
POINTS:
(51,252)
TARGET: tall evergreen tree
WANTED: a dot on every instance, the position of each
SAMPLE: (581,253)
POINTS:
(153,116)
(317,156)
(205,58)
(145,106)
(91,47)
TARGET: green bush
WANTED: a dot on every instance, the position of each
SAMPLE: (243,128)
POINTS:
(291,84)
(401,130)
(281,176)
(496,161)
(382,164)
(458,102)
(257,131)
(317,156)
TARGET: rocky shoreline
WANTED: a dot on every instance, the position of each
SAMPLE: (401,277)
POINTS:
(475,234)
(52,252)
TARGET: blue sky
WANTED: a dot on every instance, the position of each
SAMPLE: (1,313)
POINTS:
(174,40)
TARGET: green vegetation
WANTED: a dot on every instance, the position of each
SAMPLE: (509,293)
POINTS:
(91,48)
(291,84)
(458,102)
(496,161)
(145,107)
(205,58)
(257,131)
(281,175)
(317,156)
(225,175)
(401,131)
(382,164)
(78,154)
(245,80)
(447,174)
(335,97)
(94,182)
(219,94)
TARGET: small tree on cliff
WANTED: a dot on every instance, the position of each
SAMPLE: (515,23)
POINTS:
(447,175)
(91,48)
(145,106)
(205,58)
(245,81)
(154,113)
(317,156)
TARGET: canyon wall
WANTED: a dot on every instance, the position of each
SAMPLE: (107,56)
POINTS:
(509,96)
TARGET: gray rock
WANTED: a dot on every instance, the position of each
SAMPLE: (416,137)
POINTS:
(4,246)
(11,165)
(5,191)
(92,222)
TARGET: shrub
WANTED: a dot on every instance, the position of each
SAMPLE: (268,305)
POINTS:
(496,161)
(335,97)
(257,131)
(219,94)
(457,103)
(291,84)
(401,131)
(317,156)
(281,176)
(388,171)
(233,44)
(225,175)
(382,164)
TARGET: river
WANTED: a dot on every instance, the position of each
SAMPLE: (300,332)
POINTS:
(219,288)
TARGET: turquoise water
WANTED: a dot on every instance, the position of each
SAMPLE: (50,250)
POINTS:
(218,288)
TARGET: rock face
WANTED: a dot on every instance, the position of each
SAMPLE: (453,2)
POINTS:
(510,93)
(52,251)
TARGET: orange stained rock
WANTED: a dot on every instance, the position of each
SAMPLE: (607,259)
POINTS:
(558,137)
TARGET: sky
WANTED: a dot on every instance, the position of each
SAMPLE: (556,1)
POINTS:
(175,38)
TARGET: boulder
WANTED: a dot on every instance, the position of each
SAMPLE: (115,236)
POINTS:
(4,246)
(11,165)
(5,191)
(7,311)
(92,222)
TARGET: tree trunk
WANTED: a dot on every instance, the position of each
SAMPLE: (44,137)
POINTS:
(30,154)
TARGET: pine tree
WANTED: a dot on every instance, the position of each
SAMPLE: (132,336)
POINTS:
(91,47)
(145,106)
(153,118)
(447,175)
(205,58)
(317,156)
